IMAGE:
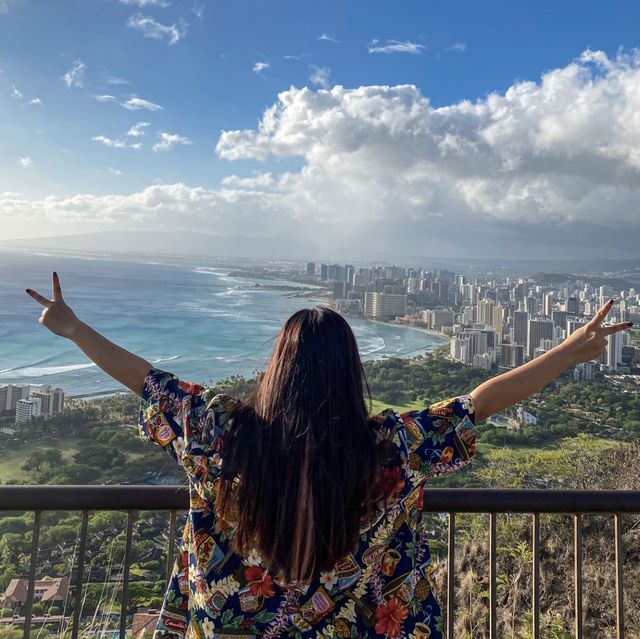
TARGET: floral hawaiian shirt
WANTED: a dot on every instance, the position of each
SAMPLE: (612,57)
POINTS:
(383,587)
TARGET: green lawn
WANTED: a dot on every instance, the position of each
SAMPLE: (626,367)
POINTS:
(12,458)
(377,406)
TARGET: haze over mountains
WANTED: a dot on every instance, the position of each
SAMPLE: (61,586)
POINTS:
(156,243)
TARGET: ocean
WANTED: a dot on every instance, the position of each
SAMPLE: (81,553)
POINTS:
(184,315)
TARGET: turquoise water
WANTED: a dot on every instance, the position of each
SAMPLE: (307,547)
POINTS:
(183,315)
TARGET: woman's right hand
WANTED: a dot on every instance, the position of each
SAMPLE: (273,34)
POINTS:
(589,341)
(56,315)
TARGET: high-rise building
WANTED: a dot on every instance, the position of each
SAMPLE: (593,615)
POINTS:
(383,306)
(538,328)
(520,321)
(27,409)
(560,318)
(324,271)
(572,306)
(485,312)
(11,394)
(311,269)
(497,321)
(531,306)
(612,355)
(547,304)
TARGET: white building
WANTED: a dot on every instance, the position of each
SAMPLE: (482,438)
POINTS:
(526,418)
(612,355)
(383,306)
(27,409)
(42,400)
(11,394)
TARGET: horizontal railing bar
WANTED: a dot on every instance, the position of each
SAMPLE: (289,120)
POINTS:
(439,500)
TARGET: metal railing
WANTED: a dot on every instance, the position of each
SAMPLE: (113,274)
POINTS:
(131,499)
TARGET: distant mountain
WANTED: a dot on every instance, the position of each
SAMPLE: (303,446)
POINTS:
(156,243)
(182,243)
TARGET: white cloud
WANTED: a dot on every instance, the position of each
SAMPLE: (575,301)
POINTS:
(111,79)
(16,94)
(396,46)
(169,140)
(150,28)
(136,104)
(36,101)
(147,3)
(198,10)
(458,47)
(105,98)
(25,162)
(260,180)
(111,142)
(320,76)
(116,143)
(114,171)
(258,67)
(74,77)
(230,212)
(327,38)
(138,130)
(549,168)
(555,161)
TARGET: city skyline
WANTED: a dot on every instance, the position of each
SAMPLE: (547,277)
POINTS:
(306,130)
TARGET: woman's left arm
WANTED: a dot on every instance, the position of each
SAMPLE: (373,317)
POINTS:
(125,367)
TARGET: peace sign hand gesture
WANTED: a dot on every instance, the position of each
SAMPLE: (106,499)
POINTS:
(56,315)
(589,341)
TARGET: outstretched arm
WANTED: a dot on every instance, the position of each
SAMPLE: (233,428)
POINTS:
(585,344)
(125,367)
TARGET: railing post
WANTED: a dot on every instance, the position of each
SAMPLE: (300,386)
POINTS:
(619,577)
(125,576)
(32,573)
(577,573)
(451,574)
(535,568)
(80,575)
(492,576)
(172,541)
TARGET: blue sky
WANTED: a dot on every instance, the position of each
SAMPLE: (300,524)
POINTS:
(215,67)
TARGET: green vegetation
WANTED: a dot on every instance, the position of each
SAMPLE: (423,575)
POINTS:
(587,437)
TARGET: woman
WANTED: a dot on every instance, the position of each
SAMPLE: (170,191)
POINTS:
(305,514)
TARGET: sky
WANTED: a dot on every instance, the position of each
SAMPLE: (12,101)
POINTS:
(312,129)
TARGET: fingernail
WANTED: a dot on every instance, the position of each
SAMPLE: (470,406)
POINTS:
(610,302)
(28,290)
(629,323)
(55,274)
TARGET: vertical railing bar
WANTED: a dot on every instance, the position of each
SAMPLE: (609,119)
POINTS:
(32,573)
(536,575)
(172,541)
(125,576)
(492,576)
(451,561)
(619,577)
(80,575)
(577,573)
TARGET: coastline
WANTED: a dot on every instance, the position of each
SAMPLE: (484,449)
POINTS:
(422,329)
(123,391)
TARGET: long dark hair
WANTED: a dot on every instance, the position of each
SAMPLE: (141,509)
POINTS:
(300,460)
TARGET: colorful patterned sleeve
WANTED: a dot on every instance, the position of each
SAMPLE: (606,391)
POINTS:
(186,419)
(440,438)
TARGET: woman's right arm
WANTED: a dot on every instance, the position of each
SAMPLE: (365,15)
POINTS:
(585,344)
